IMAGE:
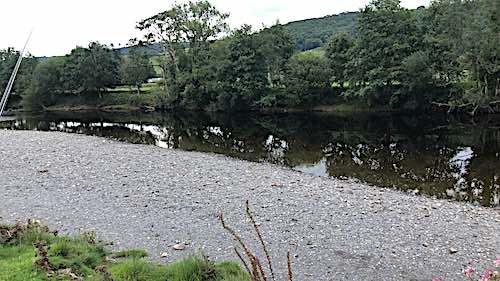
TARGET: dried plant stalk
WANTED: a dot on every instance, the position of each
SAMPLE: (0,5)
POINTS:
(242,261)
(252,263)
(289,266)
(261,240)
(251,257)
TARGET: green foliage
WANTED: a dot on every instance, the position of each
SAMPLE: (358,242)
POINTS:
(461,39)
(46,85)
(337,55)
(307,77)
(8,60)
(136,69)
(243,75)
(85,72)
(481,58)
(193,24)
(387,35)
(313,33)
(90,70)
(277,46)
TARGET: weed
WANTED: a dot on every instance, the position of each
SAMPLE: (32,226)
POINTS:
(250,261)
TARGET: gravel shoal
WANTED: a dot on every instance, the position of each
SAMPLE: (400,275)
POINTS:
(146,197)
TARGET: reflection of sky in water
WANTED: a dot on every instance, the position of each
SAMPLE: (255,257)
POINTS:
(459,162)
(462,159)
(277,149)
(318,169)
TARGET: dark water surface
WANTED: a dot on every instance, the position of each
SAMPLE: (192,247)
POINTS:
(433,155)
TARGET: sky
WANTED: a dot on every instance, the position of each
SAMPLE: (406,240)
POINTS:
(60,25)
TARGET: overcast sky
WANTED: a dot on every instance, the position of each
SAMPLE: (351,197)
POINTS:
(61,25)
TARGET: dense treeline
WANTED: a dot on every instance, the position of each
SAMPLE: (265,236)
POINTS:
(445,55)
(86,73)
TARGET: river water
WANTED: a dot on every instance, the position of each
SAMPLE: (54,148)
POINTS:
(431,155)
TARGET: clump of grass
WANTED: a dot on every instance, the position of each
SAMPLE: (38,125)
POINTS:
(133,253)
(249,259)
(76,254)
(28,233)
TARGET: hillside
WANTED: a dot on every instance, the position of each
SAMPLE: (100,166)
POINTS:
(308,34)
(313,33)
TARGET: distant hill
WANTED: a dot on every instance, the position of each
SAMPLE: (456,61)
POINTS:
(153,49)
(308,34)
(313,33)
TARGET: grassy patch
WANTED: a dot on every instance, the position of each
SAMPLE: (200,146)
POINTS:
(134,253)
(32,253)
(192,269)
(16,264)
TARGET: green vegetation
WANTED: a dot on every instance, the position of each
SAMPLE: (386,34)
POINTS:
(136,69)
(134,253)
(31,252)
(313,33)
(442,56)
(8,60)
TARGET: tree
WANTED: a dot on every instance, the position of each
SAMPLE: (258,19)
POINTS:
(45,86)
(338,56)
(307,77)
(136,69)
(90,70)
(8,58)
(387,35)
(462,39)
(481,57)
(243,76)
(184,33)
(278,46)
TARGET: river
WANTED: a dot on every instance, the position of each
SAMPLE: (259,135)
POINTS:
(451,157)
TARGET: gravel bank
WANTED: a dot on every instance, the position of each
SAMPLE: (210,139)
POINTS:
(148,197)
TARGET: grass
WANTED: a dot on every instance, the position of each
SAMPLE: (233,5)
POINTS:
(32,253)
(134,253)
(145,89)
(16,264)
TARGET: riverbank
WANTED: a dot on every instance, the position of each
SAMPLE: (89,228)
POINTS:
(146,197)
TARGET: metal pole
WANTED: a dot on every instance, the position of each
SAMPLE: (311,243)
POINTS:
(5,97)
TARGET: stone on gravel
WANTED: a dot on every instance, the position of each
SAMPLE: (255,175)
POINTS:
(179,247)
